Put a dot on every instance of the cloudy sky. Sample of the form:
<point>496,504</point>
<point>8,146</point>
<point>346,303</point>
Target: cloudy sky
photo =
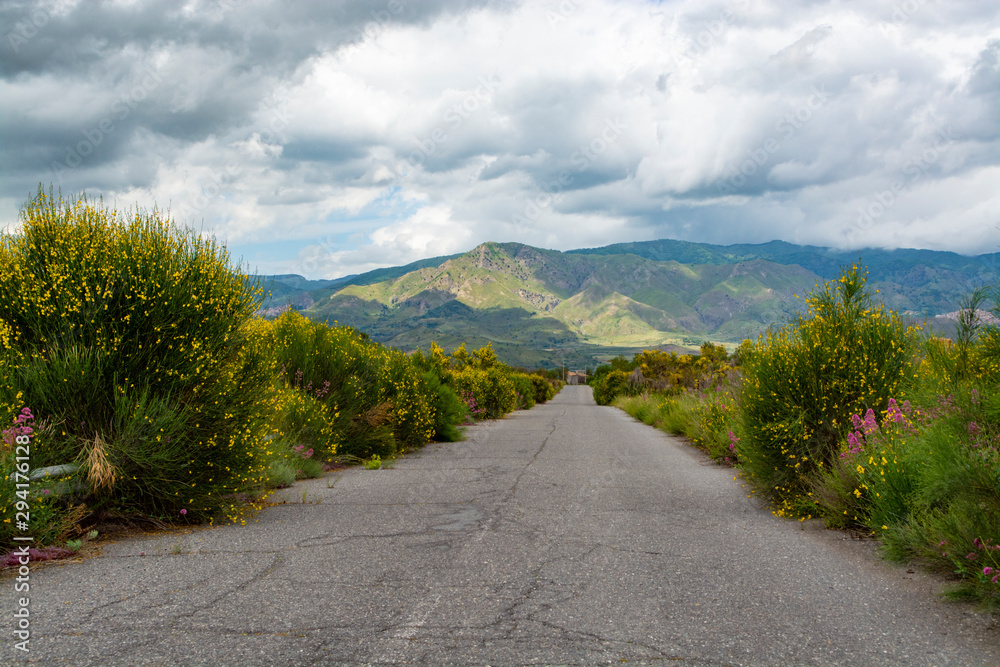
<point>330,138</point>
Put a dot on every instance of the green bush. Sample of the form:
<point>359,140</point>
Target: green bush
<point>542,388</point>
<point>493,390</point>
<point>133,336</point>
<point>449,409</point>
<point>802,382</point>
<point>303,419</point>
<point>611,385</point>
<point>950,512</point>
<point>375,397</point>
<point>716,422</point>
<point>525,390</point>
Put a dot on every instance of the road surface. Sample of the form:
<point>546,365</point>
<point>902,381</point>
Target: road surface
<point>568,534</point>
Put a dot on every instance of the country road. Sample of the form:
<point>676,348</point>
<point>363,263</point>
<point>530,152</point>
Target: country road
<point>568,534</point>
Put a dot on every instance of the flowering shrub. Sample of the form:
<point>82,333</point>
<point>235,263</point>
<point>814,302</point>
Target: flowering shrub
<point>715,417</point>
<point>800,384</point>
<point>132,335</point>
<point>869,484</point>
<point>45,522</point>
<point>375,399</point>
<point>302,420</point>
<point>524,390</point>
<point>474,410</point>
<point>609,386</point>
<point>492,389</point>
<point>706,419</point>
<point>137,343</point>
<point>955,497</point>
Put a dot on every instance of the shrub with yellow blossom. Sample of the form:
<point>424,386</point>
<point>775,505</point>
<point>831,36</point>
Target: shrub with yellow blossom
<point>129,339</point>
<point>802,382</point>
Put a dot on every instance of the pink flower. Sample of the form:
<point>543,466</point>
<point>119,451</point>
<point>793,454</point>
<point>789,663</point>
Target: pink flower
<point>870,422</point>
<point>183,512</point>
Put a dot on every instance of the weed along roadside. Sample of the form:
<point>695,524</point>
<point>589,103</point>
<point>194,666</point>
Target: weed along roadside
<point>143,392</point>
<point>847,415</point>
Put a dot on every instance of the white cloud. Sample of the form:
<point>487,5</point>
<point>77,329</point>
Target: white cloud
<point>445,126</point>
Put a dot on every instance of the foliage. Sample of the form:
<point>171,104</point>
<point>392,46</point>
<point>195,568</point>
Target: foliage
<point>489,388</point>
<point>302,418</point>
<point>159,395</point>
<point>493,390</point>
<point>609,386</point>
<point>449,409</point>
<point>922,474</point>
<point>130,339</point>
<point>802,382</point>
<point>524,389</point>
<point>716,424</point>
<point>543,389</point>
<point>662,372</point>
<point>707,419</point>
<point>668,372</point>
<point>375,398</point>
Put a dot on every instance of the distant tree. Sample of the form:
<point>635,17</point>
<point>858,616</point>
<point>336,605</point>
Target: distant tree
<point>620,363</point>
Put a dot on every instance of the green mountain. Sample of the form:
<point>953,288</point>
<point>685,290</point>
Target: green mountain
<point>544,307</point>
<point>921,282</point>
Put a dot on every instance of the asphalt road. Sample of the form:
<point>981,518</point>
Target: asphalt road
<point>569,534</point>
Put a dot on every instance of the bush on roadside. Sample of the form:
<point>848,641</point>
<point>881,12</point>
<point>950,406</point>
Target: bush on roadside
<point>611,385</point>
<point>801,383</point>
<point>491,390</point>
<point>129,339</point>
<point>716,422</point>
<point>543,389</point>
<point>375,398</point>
<point>525,390</point>
<point>449,409</point>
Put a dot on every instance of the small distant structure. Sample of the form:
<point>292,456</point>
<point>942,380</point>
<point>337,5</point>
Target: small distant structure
<point>576,377</point>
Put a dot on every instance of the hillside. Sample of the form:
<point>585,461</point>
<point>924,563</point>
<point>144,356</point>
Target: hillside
<point>549,307</point>
<point>921,282</point>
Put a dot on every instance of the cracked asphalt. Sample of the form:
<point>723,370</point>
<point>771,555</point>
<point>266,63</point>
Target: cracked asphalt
<point>568,534</point>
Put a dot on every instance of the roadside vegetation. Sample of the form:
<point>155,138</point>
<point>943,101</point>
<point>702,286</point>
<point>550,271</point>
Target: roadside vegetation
<point>846,414</point>
<point>139,388</point>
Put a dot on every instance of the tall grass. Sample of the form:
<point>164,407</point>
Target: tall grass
<point>708,420</point>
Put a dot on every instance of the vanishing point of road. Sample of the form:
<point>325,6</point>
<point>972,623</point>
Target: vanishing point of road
<point>567,534</point>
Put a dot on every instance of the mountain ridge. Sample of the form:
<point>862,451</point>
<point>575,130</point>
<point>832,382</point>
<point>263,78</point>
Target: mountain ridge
<point>621,297</point>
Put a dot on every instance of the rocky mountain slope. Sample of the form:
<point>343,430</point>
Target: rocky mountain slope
<point>543,306</point>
